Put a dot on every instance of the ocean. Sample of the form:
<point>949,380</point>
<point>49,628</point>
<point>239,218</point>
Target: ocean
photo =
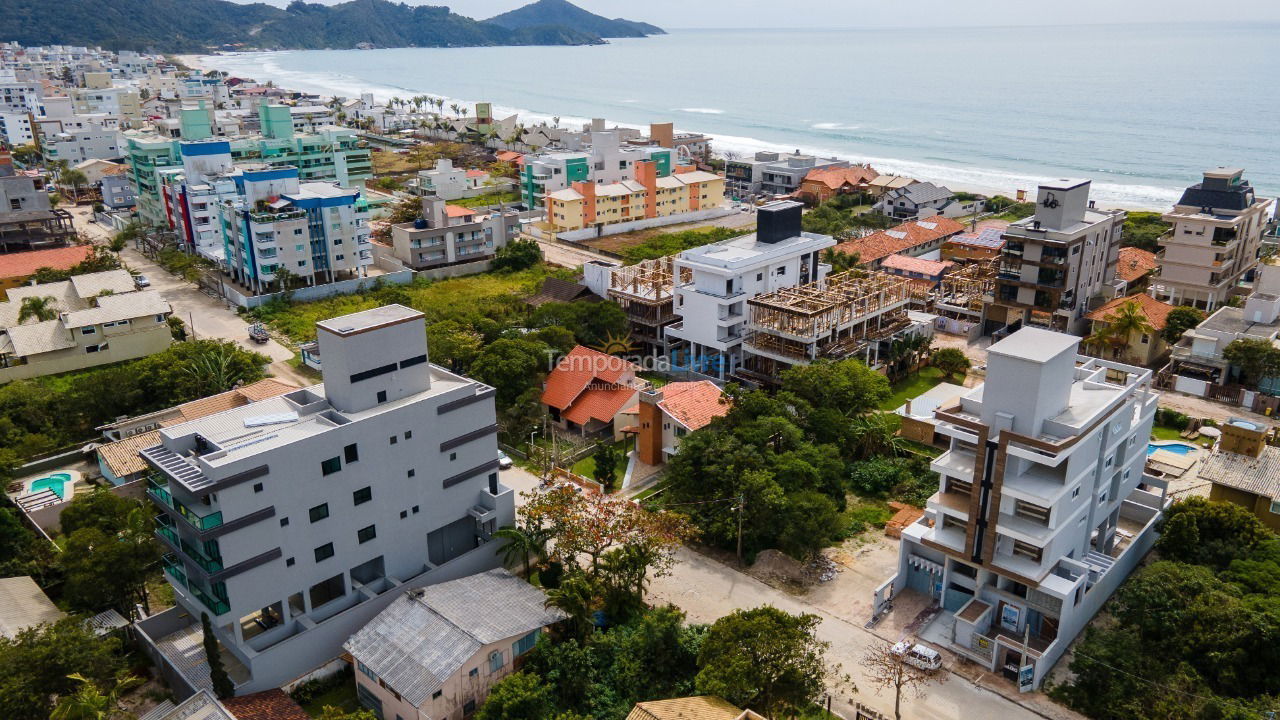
<point>1142,110</point>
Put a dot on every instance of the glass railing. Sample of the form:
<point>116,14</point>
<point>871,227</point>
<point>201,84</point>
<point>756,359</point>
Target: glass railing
<point>216,604</point>
<point>166,530</point>
<point>270,217</point>
<point>198,521</point>
<point>160,490</point>
<point>173,568</point>
<point>208,564</point>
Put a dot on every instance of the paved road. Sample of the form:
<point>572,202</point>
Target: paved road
<point>565,256</point>
<point>204,315</point>
<point>707,590</point>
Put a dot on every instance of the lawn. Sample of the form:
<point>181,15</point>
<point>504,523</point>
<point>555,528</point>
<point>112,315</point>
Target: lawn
<point>342,697</point>
<point>493,198</point>
<point>912,387</point>
<point>495,295</point>
<point>586,467</point>
<point>1160,432</point>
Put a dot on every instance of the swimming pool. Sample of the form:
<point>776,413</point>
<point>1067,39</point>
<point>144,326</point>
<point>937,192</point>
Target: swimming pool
<point>56,482</point>
<point>1173,447</point>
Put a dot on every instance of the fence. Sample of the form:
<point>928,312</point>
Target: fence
<point>318,292</point>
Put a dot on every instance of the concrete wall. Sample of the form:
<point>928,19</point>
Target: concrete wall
<point>317,292</point>
<point>453,271</point>
<point>647,223</point>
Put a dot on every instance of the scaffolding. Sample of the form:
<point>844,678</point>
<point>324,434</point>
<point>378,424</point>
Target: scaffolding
<point>961,291</point>
<point>831,307</point>
<point>644,291</point>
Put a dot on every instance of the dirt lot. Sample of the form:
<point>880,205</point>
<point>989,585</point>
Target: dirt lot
<point>618,243</point>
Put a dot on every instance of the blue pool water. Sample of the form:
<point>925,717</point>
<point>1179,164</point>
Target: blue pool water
<point>54,482</point>
<point>1178,448</point>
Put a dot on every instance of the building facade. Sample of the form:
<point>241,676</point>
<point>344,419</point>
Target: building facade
<point>604,162</point>
<point>1214,243</point>
<point>586,205</point>
<point>293,521</point>
<point>1038,515</point>
<point>1057,263</point>
<point>724,276</point>
<point>450,234</point>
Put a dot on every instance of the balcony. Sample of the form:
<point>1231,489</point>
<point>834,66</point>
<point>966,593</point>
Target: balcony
<point>200,522</point>
<point>272,217</point>
<point>173,568</point>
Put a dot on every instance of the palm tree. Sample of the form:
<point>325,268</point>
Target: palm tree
<point>517,135</point>
<point>75,179</point>
<point>42,308</point>
<point>90,703</point>
<point>521,544</point>
<point>576,597</point>
<point>455,108</point>
<point>1121,325</point>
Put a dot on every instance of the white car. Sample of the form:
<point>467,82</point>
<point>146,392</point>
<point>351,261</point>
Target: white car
<point>141,281</point>
<point>504,461</point>
<point>921,656</point>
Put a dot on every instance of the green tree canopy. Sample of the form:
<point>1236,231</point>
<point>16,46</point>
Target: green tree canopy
<point>511,367</point>
<point>1255,357</point>
<point>1179,320</point>
<point>951,361</point>
<point>1203,532</point>
<point>36,665</point>
<point>764,659</point>
<point>519,696</point>
<point>845,385</point>
<point>516,255</point>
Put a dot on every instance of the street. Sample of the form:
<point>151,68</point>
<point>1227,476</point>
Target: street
<point>205,316</point>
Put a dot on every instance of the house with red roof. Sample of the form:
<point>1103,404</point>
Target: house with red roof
<point>663,416</point>
<point>930,271</point>
<point>824,183</point>
<point>16,268</point>
<point>913,238</point>
<point>1135,267</point>
<point>588,389</point>
<point>1138,348</point>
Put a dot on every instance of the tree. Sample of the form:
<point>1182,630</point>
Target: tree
<point>847,386</point>
<point>518,696</point>
<point>595,324</point>
<point>218,368</point>
<point>577,596</point>
<point>516,255</point>
<point>764,659</point>
<point>890,671</point>
<point>1179,320</point>
<point>1204,532</point>
<point>511,367</point>
<point>809,522</point>
<point>950,361</point>
<point>332,713</point>
<point>38,663</point>
<point>606,459</point>
<point>75,179</point>
<point>110,570</point>
<point>1256,358</point>
<point>839,260</point>
<point>1121,324</point>
<point>453,343</point>
<point>523,544</point>
<point>222,685</point>
<point>101,509</point>
<point>41,307</point>
<point>90,703</point>
<point>26,154</point>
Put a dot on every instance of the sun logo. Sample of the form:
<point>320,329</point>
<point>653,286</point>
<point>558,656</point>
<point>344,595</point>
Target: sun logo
<point>613,345</point>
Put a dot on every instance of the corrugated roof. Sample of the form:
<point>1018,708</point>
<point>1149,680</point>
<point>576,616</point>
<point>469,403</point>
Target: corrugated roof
<point>121,456</point>
<point>127,306</point>
<point>426,635</point>
<point>23,604</point>
<point>91,284</point>
<point>1257,475</point>
<point>41,337</point>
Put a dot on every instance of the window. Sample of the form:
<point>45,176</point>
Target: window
<point>475,672</point>
<point>526,643</point>
<point>284,522</point>
<point>951,523</point>
<point>1027,550</point>
<point>93,348</point>
<point>382,396</point>
<point>436,694</point>
<point>366,534</point>
<point>411,472</point>
<point>367,672</point>
<point>404,514</point>
<point>453,456</point>
<point>361,496</point>
<point>257,487</point>
<point>415,509</point>
<point>1075,493</point>
<point>289,562</point>
<point>351,453</point>
<point>394,439</point>
<point>782,271</point>
<point>469,708</point>
<point>331,466</point>
<point>1275,507</point>
<point>495,661</point>
<point>319,512</point>
<point>408,434</point>
<point>324,552</point>
<point>375,372</point>
<point>88,330</point>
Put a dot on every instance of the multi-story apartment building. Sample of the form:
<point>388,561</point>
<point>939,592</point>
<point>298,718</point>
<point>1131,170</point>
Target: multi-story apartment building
<point>27,219</point>
<point>1214,242</point>
<point>1057,263</point>
<point>16,129</point>
<point>319,232</point>
<point>21,97</point>
<point>124,103</point>
<point>1038,515</point>
<point>605,162</point>
<point>450,234</point>
<point>784,174</point>
<point>655,200</point>
<point>291,522</point>
<point>724,276</point>
<point>328,156</point>
<point>92,327</point>
<point>80,145</point>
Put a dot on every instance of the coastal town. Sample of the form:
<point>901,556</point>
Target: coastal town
<point>404,408</point>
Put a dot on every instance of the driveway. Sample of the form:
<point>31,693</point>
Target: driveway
<point>706,590</point>
<point>205,316</point>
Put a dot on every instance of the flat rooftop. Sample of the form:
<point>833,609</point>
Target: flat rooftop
<point>367,320</point>
<point>1035,344</point>
<point>748,250</point>
<point>1231,320</point>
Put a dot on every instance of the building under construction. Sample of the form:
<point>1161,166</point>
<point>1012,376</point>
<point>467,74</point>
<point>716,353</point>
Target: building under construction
<point>644,292</point>
<point>851,314</point>
<point>959,298</point>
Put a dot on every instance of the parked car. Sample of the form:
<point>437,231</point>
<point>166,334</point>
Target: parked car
<point>921,656</point>
<point>504,462</point>
<point>141,281</point>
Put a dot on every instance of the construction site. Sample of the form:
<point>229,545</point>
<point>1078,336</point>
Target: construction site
<point>644,292</point>
<point>959,298</point>
<point>846,315</point>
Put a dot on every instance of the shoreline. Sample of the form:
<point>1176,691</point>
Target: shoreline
<point>721,143</point>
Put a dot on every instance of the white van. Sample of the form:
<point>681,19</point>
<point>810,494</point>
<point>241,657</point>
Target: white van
<point>921,656</point>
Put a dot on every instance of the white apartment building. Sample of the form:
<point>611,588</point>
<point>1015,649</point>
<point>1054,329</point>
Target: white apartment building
<point>1057,264</point>
<point>605,162</point>
<point>80,145</point>
<point>1215,240</point>
<point>16,129</point>
<point>712,306</point>
<point>317,231</point>
<point>1039,515</point>
<point>118,102</point>
<point>21,97</point>
<point>291,522</point>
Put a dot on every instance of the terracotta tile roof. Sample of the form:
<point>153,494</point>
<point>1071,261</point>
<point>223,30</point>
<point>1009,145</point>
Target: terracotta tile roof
<point>265,705</point>
<point>204,407</point>
<point>266,388</point>
<point>509,156</point>
<point>23,264</point>
<point>898,239</point>
<point>477,173</point>
<point>906,263</point>
<point>586,384</point>
<point>689,708</point>
<point>694,404</point>
<point>122,457</point>
<point>457,211</point>
<point>836,178</point>
<point>1156,312</point>
<point>1134,263</point>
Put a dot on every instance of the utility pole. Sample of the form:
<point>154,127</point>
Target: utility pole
<point>742,505</point>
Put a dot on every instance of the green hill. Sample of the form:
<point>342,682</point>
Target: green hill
<point>562,12</point>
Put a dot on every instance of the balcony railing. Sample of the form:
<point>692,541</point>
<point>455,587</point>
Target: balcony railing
<point>271,217</point>
<point>173,568</point>
<point>198,521</point>
<point>208,564</point>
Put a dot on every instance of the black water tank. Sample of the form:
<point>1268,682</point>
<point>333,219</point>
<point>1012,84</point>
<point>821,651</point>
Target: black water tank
<point>778,221</point>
